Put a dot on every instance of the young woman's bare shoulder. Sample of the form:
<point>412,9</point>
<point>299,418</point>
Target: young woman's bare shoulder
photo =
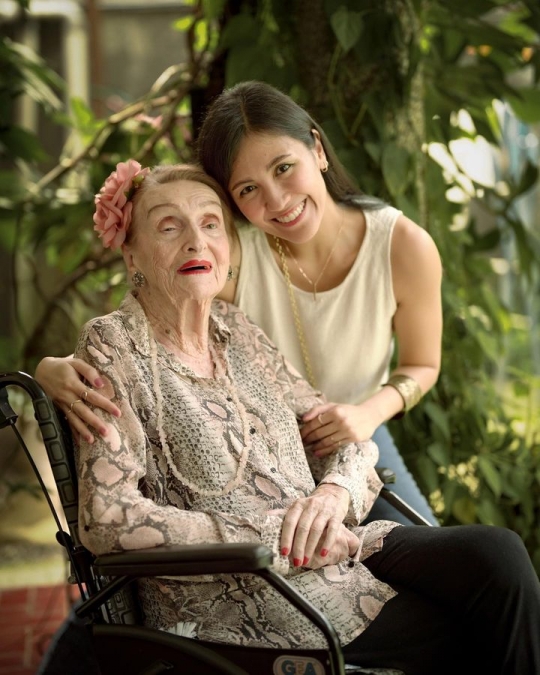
<point>414,253</point>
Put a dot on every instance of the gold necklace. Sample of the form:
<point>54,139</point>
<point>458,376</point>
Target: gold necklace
<point>296,315</point>
<point>315,283</point>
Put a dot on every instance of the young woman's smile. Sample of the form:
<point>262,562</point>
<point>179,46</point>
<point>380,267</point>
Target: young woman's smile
<point>293,215</point>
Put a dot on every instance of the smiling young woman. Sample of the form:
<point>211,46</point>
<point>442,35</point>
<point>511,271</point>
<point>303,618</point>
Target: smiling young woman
<point>338,279</point>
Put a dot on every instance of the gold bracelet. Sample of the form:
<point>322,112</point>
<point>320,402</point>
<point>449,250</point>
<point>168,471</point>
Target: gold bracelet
<point>409,390</point>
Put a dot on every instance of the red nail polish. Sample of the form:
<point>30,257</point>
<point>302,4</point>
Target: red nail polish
<point>284,551</point>
<point>98,382</point>
<point>324,552</point>
<point>297,562</point>
<point>305,560</point>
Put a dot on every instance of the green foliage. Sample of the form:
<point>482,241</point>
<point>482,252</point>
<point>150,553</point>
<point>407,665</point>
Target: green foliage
<point>23,72</point>
<point>397,86</point>
<point>387,83</point>
<point>46,215</point>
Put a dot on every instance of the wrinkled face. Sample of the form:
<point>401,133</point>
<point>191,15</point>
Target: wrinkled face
<point>181,244</point>
<point>276,182</point>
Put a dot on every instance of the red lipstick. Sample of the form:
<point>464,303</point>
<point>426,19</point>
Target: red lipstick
<point>195,267</point>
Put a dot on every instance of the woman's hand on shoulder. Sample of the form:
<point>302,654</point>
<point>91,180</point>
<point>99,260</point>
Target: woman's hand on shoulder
<point>65,381</point>
<point>327,427</point>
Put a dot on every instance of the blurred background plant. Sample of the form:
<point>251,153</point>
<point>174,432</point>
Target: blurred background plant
<point>433,105</point>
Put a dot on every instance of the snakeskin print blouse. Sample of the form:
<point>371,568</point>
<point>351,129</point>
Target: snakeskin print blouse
<point>133,494</point>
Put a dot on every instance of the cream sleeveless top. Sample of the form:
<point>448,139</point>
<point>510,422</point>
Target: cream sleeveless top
<point>348,329</point>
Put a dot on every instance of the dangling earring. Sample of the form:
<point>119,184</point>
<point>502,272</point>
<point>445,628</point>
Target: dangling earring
<point>325,167</point>
<point>230,274</point>
<point>138,279</point>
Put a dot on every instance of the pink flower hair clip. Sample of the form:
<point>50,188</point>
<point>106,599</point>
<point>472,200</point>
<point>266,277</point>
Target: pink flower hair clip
<point>113,203</point>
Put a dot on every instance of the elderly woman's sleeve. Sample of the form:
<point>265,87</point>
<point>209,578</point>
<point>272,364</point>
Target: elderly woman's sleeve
<point>353,465</point>
<point>114,515</point>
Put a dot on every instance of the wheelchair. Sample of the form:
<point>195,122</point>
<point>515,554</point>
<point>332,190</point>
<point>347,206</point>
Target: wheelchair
<point>107,583</point>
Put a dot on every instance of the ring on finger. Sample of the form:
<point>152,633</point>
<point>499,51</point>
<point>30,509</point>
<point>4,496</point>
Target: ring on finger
<point>85,395</point>
<point>71,406</point>
<point>319,417</point>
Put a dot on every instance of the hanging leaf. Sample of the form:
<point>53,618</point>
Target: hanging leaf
<point>490,514</point>
<point>439,418</point>
<point>84,118</point>
<point>347,27</point>
<point>374,151</point>
<point>490,474</point>
<point>464,510</point>
<point>439,454</point>
<point>252,62</point>
<point>18,142</point>
<point>213,9</point>
<point>518,482</point>
<point>526,105</point>
<point>428,473</point>
<point>184,24</point>
<point>396,163</point>
<point>528,179</point>
<point>240,31</point>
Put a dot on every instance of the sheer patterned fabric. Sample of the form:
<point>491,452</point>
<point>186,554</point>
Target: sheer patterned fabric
<point>133,495</point>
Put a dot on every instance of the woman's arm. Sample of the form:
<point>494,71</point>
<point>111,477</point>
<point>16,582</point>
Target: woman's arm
<point>417,323</point>
<point>66,380</point>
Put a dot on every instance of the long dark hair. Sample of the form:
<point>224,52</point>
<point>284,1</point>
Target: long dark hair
<point>257,107</point>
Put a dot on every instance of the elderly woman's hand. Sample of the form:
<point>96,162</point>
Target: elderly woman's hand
<point>327,427</point>
<point>63,380</point>
<point>313,523</point>
<point>345,546</point>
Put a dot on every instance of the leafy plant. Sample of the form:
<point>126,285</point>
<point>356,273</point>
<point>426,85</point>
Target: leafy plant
<point>401,87</point>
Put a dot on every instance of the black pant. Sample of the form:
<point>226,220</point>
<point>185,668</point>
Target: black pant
<point>468,602</point>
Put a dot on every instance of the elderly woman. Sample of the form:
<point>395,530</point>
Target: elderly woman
<point>208,449</point>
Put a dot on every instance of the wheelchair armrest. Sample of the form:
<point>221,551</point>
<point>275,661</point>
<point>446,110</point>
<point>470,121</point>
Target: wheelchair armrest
<point>185,560</point>
<point>194,560</point>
